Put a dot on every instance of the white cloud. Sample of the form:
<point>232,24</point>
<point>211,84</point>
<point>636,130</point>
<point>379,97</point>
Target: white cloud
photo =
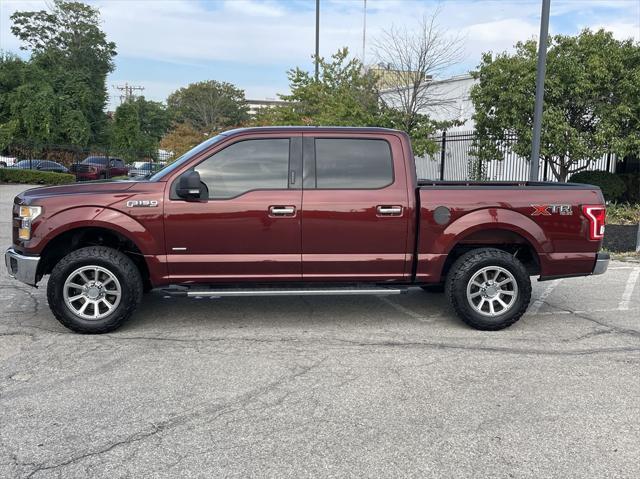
<point>256,34</point>
<point>255,8</point>
<point>621,30</point>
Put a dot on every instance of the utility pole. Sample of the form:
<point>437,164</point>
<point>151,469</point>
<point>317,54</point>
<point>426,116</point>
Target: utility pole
<point>542,67</point>
<point>364,34</point>
<point>127,91</point>
<point>317,38</point>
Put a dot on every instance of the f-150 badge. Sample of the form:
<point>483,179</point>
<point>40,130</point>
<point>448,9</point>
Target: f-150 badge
<point>142,203</point>
<point>548,210</point>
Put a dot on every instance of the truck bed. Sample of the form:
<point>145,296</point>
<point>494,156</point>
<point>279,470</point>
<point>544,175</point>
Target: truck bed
<point>545,219</point>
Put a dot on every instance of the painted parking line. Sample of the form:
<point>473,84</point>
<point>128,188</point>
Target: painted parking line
<point>407,311</point>
<point>628,290</point>
<point>537,304</point>
<point>577,311</point>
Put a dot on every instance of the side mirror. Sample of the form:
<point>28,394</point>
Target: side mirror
<point>189,186</point>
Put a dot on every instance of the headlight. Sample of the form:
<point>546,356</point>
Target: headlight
<point>27,214</point>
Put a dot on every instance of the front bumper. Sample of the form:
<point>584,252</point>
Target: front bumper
<point>602,263</point>
<point>21,267</point>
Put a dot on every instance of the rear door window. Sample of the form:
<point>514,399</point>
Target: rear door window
<point>345,163</point>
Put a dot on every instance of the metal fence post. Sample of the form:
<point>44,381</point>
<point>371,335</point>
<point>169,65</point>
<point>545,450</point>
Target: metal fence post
<point>443,148</point>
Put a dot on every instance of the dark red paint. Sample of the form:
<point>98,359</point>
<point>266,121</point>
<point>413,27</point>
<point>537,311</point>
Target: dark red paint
<point>334,235</point>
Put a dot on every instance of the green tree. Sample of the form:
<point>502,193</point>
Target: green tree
<point>209,106</point>
<point>61,95</point>
<point>138,126</point>
<point>345,94</point>
<point>588,99</point>
<point>181,138</point>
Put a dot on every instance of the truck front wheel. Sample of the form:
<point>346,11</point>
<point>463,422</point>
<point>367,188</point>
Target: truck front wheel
<point>488,288</point>
<point>94,290</point>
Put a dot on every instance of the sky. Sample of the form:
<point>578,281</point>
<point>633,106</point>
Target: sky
<point>166,44</point>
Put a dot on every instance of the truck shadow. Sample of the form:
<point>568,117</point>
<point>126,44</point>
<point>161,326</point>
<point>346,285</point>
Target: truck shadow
<point>416,307</point>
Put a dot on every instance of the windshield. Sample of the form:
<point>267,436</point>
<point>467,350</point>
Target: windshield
<point>186,157</point>
<point>95,160</point>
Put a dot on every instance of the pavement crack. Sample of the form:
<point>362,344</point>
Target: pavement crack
<point>129,440</point>
<point>218,410</point>
<point>612,328</point>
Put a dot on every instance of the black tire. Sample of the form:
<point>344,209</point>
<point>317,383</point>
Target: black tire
<point>463,270</point>
<point>433,288</point>
<point>119,265</point>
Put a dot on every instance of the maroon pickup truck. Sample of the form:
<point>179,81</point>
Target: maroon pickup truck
<point>301,211</point>
<point>99,168</point>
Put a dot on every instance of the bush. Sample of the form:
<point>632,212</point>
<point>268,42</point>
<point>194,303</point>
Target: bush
<point>15,175</point>
<point>632,187</point>
<point>611,184</point>
<point>623,214</point>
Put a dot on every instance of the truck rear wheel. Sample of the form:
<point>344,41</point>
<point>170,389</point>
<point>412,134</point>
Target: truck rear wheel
<point>94,290</point>
<point>488,288</point>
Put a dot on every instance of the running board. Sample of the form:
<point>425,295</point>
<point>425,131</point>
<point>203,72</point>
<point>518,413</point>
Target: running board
<point>238,292</point>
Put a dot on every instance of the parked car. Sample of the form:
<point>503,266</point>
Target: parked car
<point>99,168</point>
<point>6,161</point>
<point>145,169</point>
<point>301,211</point>
<point>41,165</point>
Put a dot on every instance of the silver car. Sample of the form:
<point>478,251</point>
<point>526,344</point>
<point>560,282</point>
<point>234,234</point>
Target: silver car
<point>145,169</point>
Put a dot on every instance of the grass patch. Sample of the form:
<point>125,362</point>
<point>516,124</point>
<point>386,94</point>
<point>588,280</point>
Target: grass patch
<point>623,214</point>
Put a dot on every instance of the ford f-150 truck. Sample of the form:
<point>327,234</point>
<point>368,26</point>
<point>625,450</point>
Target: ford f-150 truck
<point>301,211</point>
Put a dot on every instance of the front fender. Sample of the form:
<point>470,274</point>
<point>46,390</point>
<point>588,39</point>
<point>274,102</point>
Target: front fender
<point>96,217</point>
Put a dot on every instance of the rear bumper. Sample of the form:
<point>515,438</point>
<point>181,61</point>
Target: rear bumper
<point>602,263</point>
<point>21,267</point>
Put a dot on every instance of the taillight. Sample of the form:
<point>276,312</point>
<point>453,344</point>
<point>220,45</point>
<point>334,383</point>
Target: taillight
<point>596,215</point>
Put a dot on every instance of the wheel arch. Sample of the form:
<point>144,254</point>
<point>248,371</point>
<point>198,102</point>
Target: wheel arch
<point>90,235</point>
<point>498,228</point>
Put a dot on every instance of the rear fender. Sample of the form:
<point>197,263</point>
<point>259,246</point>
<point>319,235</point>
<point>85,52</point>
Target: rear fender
<point>497,219</point>
<point>434,253</point>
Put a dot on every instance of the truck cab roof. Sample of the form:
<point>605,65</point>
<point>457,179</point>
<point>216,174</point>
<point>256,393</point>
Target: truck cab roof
<point>314,129</point>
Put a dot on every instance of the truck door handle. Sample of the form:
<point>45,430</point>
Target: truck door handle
<point>384,210</point>
<point>282,210</point>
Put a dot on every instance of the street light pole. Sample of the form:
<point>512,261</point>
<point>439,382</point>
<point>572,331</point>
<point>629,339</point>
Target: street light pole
<point>364,34</point>
<point>542,66</point>
<point>317,37</point>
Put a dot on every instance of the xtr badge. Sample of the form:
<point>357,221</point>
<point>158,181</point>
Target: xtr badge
<point>548,210</point>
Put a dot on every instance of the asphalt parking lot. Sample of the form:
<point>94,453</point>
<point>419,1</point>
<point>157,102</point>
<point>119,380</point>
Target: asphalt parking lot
<point>324,386</point>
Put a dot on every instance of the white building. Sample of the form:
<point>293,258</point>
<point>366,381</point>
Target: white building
<point>450,100</point>
<point>256,105</point>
